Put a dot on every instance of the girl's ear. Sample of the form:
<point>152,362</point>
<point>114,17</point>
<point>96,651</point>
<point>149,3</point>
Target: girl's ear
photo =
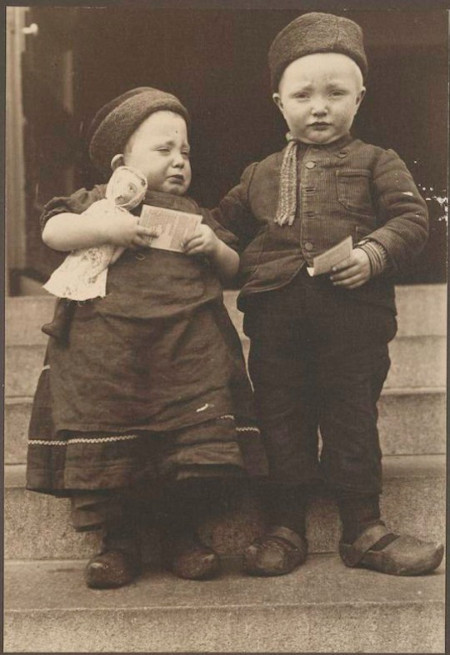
<point>277,100</point>
<point>117,161</point>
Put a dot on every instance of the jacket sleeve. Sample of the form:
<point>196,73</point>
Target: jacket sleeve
<point>77,203</point>
<point>234,211</point>
<point>402,212</point>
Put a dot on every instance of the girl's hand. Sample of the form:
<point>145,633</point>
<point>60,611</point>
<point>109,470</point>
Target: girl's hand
<point>121,228</point>
<point>203,241</point>
<point>352,272</point>
<point>97,226</point>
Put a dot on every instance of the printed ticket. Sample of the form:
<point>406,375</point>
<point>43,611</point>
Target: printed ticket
<point>174,226</point>
<point>324,262</point>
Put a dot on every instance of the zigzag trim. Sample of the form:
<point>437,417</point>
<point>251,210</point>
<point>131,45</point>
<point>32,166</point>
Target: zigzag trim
<point>44,442</point>
<point>248,429</point>
<point>240,429</point>
<point>123,437</point>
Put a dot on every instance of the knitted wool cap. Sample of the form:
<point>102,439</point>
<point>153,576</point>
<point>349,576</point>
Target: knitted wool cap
<point>312,33</point>
<point>114,123</point>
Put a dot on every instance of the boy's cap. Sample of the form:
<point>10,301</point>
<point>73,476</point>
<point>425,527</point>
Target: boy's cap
<point>114,123</point>
<point>313,33</point>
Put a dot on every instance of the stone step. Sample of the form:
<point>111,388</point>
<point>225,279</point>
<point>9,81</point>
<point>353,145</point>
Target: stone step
<point>418,361</point>
<point>321,607</point>
<point>418,353</point>
<point>37,526</point>
<point>411,422</point>
<point>422,310</point>
<point>23,364</point>
<point>24,316</point>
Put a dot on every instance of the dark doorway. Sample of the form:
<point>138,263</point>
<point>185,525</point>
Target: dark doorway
<point>214,59</point>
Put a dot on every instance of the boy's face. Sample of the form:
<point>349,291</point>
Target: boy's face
<point>159,148</point>
<point>319,96</point>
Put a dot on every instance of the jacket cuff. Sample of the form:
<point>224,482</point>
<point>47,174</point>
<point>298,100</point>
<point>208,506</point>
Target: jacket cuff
<point>377,254</point>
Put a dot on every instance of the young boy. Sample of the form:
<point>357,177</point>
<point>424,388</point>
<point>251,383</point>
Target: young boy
<point>147,386</point>
<point>319,354</point>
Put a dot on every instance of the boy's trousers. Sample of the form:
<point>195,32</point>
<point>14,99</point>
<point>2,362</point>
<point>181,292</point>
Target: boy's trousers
<point>318,361</point>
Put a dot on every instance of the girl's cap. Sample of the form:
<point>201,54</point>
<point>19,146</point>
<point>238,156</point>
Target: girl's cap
<point>114,123</point>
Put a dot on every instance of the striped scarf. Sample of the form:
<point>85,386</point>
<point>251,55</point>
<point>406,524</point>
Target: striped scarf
<point>287,196</point>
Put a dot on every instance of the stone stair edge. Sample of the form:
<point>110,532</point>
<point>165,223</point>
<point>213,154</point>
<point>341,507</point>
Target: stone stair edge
<point>402,290</point>
<point>430,297</point>
<point>44,521</point>
<point>315,561</point>
<point>411,466</point>
<point>10,399</point>
<point>41,339</point>
<point>411,421</point>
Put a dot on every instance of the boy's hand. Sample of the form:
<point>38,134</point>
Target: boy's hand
<point>203,241</point>
<point>352,272</point>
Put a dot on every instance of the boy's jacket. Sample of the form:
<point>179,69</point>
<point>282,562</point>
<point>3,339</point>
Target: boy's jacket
<point>345,188</point>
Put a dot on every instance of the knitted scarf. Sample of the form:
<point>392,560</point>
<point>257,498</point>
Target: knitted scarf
<point>287,196</point>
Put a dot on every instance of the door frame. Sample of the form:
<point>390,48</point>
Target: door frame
<point>15,250</point>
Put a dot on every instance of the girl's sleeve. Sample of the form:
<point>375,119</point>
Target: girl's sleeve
<point>77,203</point>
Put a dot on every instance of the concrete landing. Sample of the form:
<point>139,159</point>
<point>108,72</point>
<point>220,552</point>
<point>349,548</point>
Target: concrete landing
<point>321,607</point>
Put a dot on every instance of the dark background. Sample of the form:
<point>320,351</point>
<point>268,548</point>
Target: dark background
<point>214,58</point>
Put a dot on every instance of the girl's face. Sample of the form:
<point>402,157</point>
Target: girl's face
<point>319,96</point>
<point>159,148</point>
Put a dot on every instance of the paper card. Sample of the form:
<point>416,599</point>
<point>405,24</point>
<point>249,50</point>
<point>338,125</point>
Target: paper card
<point>324,262</point>
<point>175,226</point>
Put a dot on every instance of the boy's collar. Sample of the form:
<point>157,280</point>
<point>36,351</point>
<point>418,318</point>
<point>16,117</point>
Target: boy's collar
<point>331,147</point>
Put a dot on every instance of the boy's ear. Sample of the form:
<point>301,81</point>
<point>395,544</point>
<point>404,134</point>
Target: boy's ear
<point>362,93</point>
<point>117,161</point>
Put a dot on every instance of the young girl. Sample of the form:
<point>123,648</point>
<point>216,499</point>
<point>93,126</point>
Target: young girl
<point>148,383</point>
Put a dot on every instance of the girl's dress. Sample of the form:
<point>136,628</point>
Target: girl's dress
<point>150,382</point>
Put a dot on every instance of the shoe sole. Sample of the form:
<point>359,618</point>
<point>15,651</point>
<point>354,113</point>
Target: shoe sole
<point>378,563</point>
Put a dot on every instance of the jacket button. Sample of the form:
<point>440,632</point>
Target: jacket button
<point>310,164</point>
<point>308,245</point>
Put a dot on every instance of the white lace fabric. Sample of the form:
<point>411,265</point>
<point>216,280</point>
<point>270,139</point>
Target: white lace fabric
<point>83,274</point>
